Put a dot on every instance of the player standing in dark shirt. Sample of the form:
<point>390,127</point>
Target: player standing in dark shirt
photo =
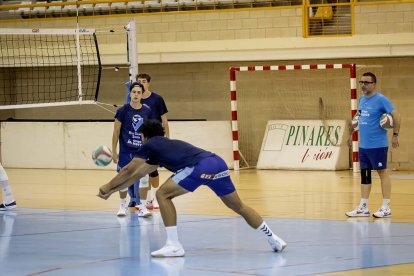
<point>158,112</point>
<point>128,119</point>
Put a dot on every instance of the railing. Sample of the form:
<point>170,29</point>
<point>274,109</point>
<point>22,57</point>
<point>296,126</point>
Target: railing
<point>328,18</point>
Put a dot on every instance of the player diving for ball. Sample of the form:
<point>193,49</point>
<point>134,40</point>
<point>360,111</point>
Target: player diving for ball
<point>191,167</point>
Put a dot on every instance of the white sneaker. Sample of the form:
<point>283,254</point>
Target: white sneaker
<point>155,204</point>
<point>8,206</point>
<point>277,244</point>
<point>360,211</point>
<point>143,211</point>
<point>122,212</point>
<point>383,212</point>
<point>169,250</point>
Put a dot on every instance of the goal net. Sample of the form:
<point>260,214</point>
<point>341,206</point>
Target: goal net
<point>287,92</point>
<point>48,67</point>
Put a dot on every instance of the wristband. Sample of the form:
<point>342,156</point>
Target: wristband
<point>395,134</point>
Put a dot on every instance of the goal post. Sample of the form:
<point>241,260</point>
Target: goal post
<point>48,67</point>
<point>306,67</point>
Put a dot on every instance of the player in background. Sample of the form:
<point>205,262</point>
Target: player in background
<point>158,112</point>
<point>191,167</point>
<point>128,119</point>
<point>373,145</point>
<point>8,200</point>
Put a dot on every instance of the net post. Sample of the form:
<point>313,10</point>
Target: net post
<point>78,61</point>
<point>132,50</point>
<point>99,67</point>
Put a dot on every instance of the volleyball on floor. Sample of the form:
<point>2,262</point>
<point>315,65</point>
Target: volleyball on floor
<point>355,124</point>
<point>102,156</point>
<point>386,121</point>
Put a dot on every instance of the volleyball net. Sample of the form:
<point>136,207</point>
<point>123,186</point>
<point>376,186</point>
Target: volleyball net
<point>48,67</point>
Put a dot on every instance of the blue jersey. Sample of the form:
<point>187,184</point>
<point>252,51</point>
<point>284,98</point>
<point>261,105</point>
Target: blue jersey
<point>370,111</point>
<point>154,102</point>
<point>131,119</point>
<point>171,154</point>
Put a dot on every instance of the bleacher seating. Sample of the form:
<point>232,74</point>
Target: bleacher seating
<point>55,11</point>
<point>68,8</point>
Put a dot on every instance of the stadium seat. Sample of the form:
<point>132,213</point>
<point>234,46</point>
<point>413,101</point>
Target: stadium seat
<point>152,5</point>
<point>39,11</point>
<point>24,12</point>
<point>225,3</point>
<point>207,4</point>
<point>323,13</point>
<point>101,8</point>
<point>70,9</point>
<point>135,7</point>
<point>118,7</point>
<point>187,4</point>
<point>170,5</point>
<point>86,9</point>
<point>55,10</point>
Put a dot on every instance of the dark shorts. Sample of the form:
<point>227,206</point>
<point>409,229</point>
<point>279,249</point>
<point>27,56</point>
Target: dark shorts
<point>153,174</point>
<point>211,171</point>
<point>124,159</point>
<point>373,159</point>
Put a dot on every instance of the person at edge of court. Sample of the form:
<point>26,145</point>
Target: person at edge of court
<point>8,200</point>
<point>373,145</point>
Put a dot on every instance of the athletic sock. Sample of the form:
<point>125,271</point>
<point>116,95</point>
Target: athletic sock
<point>264,228</point>
<point>386,203</point>
<point>363,202</point>
<point>172,235</point>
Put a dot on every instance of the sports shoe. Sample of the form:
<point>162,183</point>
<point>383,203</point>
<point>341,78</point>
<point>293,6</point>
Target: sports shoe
<point>169,250</point>
<point>383,212</point>
<point>155,204</point>
<point>149,205</point>
<point>277,244</point>
<point>143,211</point>
<point>360,211</point>
<point>132,204</point>
<point>122,212</point>
<point>8,206</point>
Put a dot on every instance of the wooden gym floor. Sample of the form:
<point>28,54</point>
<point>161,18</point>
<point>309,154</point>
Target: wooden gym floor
<point>62,228</point>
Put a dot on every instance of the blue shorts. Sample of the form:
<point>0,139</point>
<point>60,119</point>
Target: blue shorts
<point>373,159</point>
<point>124,159</point>
<point>211,171</point>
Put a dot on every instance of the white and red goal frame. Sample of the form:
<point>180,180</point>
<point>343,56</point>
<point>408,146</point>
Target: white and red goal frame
<point>233,96</point>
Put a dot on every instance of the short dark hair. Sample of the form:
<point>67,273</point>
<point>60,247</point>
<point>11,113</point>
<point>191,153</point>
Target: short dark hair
<point>144,76</point>
<point>134,84</point>
<point>151,128</point>
<point>372,75</point>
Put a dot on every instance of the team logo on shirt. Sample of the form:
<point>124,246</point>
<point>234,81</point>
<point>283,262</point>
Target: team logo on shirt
<point>137,121</point>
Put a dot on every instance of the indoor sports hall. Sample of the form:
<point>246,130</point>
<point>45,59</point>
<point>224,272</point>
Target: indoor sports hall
<point>272,86</point>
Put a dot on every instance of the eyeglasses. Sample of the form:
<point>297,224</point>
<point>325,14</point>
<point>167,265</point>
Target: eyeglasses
<point>365,82</point>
